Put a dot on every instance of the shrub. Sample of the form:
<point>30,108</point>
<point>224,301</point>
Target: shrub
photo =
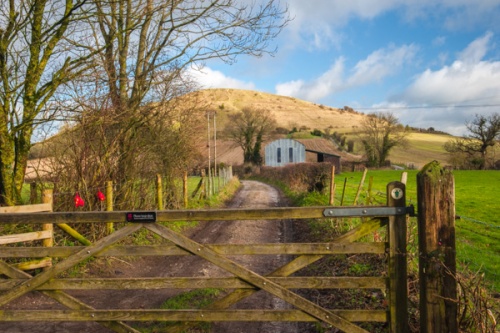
<point>301,177</point>
<point>316,132</point>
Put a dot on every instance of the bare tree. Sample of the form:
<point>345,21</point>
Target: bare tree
<point>85,155</point>
<point>380,133</point>
<point>34,63</point>
<point>484,134</point>
<point>249,129</point>
<point>149,45</point>
<point>140,47</point>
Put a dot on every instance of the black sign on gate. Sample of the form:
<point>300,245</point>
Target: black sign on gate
<point>141,217</point>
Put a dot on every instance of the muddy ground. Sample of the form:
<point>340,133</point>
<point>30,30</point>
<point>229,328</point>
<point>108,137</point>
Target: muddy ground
<point>252,195</point>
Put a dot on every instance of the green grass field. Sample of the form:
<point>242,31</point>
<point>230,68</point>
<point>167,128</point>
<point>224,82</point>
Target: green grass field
<point>476,204</point>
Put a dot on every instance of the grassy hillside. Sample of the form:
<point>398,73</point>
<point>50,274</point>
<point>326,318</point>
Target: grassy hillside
<point>289,112</point>
<point>292,112</point>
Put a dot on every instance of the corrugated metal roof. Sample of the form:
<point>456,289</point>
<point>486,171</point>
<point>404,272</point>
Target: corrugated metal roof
<point>319,145</point>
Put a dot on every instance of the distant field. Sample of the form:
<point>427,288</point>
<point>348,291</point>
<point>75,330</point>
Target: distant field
<point>421,149</point>
<point>477,204</point>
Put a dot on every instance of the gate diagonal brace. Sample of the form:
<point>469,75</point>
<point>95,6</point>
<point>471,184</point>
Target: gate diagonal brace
<point>66,300</point>
<point>367,211</point>
<point>69,262</point>
<point>256,279</point>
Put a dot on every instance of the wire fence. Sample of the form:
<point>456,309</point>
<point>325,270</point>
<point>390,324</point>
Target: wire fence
<point>483,257</point>
<point>470,219</point>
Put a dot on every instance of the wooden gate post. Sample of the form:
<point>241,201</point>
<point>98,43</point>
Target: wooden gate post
<point>398,286</point>
<point>437,265</point>
<point>48,197</point>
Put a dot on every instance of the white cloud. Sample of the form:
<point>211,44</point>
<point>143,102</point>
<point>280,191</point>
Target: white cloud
<point>317,24</point>
<point>469,79</point>
<point>209,78</point>
<point>378,65</point>
<point>291,88</point>
<point>476,50</point>
<point>454,93</point>
<point>318,88</point>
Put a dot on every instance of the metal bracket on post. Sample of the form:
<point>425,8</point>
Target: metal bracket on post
<point>367,211</point>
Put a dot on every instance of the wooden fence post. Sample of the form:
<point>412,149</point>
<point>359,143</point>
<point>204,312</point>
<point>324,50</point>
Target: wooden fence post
<point>343,192</point>
<point>332,187</point>
<point>48,197</point>
<point>437,261</point>
<point>404,177</point>
<point>33,193</point>
<point>159,193</point>
<point>360,186</point>
<point>185,188</point>
<point>398,293</point>
<point>109,206</point>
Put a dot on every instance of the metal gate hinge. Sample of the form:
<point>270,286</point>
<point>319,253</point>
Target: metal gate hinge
<point>367,211</point>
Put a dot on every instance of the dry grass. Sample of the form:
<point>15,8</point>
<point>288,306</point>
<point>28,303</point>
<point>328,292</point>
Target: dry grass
<point>289,112</point>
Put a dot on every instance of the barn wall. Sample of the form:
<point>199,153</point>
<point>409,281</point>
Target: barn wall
<point>271,152</point>
<point>335,160</point>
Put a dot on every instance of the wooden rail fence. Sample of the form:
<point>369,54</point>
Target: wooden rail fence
<point>243,280</point>
<point>46,234</point>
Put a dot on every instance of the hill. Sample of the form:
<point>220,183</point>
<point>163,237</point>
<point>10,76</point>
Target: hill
<point>305,116</point>
<point>289,112</point>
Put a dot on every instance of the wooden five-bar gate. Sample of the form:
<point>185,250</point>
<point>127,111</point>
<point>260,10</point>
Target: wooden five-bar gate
<point>244,281</point>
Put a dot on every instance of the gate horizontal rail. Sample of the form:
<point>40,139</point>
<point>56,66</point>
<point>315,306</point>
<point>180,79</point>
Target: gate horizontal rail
<point>172,250</point>
<point>278,213</point>
<point>201,283</point>
<point>187,315</point>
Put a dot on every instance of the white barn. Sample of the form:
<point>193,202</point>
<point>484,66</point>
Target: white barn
<point>284,151</point>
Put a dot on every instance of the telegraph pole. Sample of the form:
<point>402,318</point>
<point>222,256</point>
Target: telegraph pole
<point>209,190</point>
<point>215,150</point>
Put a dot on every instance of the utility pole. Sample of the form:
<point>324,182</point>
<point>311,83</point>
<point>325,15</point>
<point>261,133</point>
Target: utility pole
<point>209,158</point>
<point>215,151</point>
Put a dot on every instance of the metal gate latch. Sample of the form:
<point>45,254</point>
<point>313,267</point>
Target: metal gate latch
<point>367,211</point>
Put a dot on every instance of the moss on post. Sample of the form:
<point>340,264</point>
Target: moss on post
<point>437,261</point>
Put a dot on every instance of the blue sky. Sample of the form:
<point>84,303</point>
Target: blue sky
<point>431,63</point>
